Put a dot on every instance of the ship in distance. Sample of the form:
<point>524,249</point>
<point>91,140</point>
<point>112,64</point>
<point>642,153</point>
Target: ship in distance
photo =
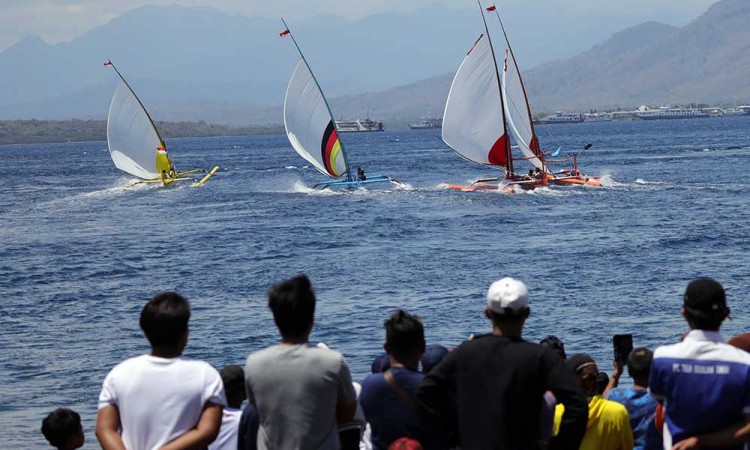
<point>427,123</point>
<point>359,125</point>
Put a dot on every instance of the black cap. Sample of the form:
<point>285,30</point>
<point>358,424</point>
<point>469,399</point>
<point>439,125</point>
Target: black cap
<point>579,361</point>
<point>233,377</point>
<point>704,298</point>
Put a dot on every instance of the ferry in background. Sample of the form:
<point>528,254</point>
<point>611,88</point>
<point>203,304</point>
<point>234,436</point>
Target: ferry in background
<point>359,125</point>
<point>738,111</point>
<point>597,117</point>
<point>666,112</point>
<point>560,117</point>
<point>430,122</point>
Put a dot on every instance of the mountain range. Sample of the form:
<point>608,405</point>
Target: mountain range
<point>203,64</point>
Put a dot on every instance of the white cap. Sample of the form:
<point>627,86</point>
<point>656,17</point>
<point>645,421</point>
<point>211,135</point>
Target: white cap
<point>507,293</point>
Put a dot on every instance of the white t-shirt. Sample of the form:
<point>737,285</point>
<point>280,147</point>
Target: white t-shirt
<point>160,399</point>
<point>229,432</point>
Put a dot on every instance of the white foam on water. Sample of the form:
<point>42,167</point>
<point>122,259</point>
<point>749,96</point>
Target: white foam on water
<point>607,181</point>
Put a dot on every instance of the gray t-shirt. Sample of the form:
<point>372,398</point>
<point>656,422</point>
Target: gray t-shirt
<point>296,389</point>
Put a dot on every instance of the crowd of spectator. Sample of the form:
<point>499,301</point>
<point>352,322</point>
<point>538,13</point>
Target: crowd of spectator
<point>493,391</point>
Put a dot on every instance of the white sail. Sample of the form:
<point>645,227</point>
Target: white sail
<point>473,119</point>
<point>132,139</point>
<point>517,110</point>
<point>309,124</point>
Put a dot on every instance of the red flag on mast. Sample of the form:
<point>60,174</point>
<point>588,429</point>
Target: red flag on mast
<point>491,8</point>
<point>284,33</point>
<point>108,63</point>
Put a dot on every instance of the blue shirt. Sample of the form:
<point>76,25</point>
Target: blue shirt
<point>642,410</point>
<point>389,417</point>
<point>704,383</point>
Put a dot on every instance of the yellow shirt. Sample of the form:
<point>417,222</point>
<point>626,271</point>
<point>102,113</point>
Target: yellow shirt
<point>608,427</point>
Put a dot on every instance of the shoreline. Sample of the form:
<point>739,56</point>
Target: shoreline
<point>33,131</point>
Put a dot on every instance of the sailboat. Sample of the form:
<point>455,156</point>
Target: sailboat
<point>134,142</point>
<point>312,130</point>
<point>484,109</point>
<point>521,124</point>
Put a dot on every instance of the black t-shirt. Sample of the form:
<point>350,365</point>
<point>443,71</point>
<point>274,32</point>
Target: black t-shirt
<point>498,383</point>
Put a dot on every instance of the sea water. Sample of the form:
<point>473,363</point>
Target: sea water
<point>80,255</point>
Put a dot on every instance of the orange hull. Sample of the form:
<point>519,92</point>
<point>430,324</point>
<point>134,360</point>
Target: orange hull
<point>577,181</point>
<point>491,187</point>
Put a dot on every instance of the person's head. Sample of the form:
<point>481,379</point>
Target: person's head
<point>639,365</point>
<point>554,343</point>
<point>404,338</point>
<point>164,321</point>
<point>741,341</point>
<point>233,378</point>
<point>292,303</point>
<point>433,354</point>
<point>705,304</point>
<point>381,363</point>
<point>405,443</point>
<point>531,171</point>
<point>62,428</point>
<point>586,372</point>
<point>602,380</point>
<point>507,303</point>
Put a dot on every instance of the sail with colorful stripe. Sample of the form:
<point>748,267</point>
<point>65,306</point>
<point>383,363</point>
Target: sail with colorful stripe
<point>473,121</point>
<point>310,126</point>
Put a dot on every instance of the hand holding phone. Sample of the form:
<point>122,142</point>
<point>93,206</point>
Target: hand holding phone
<point>623,345</point>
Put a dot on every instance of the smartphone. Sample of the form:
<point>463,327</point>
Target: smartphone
<point>623,345</point>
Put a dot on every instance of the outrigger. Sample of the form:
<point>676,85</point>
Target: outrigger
<point>135,144</point>
<point>313,132</point>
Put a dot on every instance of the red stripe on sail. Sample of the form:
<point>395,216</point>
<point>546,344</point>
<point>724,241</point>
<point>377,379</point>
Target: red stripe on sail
<point>329,149</point>
<point>534,146</point>
<point>330,138</point>
<point>475,43</point>
<point>498,155</point>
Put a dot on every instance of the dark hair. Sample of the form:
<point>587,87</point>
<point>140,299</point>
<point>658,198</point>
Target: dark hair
<point>704,323</point>
<point>554,343</point>
<point>60,425</point>
<point>639,363</point>
<point>165,318</point>
<point>508,316</point>
<point>602,380</point>
<point>292,303</point>
<point>404,335</point>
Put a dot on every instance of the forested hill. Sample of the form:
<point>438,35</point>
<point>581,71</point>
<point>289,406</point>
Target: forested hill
<point>45,131</point>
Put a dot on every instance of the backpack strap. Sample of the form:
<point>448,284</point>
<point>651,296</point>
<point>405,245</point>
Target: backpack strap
<point>401,393</point>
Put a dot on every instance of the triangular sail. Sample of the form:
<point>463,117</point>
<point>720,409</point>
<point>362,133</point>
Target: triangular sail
<point>518,112</point>
<point>309,125</point>
<point>473,122</point>
<point>134,142</point>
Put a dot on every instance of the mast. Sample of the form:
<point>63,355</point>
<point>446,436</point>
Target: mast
<point>509,153</point>
<point>535,148</point>
<point>325,100</point>
<point>110,63</point>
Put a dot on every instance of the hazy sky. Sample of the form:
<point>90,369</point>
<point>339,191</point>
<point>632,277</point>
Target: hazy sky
<point>62,20</point>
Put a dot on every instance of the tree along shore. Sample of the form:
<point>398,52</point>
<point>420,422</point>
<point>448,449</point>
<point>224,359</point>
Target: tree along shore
<point>47,131</point>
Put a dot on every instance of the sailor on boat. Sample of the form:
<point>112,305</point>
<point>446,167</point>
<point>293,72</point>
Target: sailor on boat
<point>361,174</point>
